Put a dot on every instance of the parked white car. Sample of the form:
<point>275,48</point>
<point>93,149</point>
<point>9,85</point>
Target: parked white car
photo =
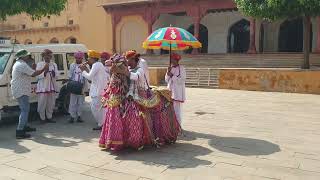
<point>63,57</point>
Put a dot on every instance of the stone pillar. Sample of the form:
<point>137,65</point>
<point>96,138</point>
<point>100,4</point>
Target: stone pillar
<point>150,16</point>
<point>252,45</point>
<point>196,31</point>
<point>318,35</point>
<point>196,13</point>
<point>115,21</point>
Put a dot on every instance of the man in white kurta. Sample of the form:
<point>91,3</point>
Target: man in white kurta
<point>47,87</point>
<point>142,63</point>
<point>98,77</point>
<point>175,78</point>
<point>77,101</point>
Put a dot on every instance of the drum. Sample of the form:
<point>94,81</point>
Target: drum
<point>75,87</point>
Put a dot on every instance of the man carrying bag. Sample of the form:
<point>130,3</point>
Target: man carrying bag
<point>76,86</point>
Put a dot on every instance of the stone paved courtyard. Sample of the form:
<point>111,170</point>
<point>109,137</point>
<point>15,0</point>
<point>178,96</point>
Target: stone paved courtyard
<point>230,135</point>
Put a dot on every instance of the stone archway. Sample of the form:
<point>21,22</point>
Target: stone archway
<point>27,41</point>
<point>203,38</point>
<point>133,31</point>
<point>40,41</point>
<point>71,40</point>
<point>239,37</point>
<point>291,36</point>
<point>54,41</point>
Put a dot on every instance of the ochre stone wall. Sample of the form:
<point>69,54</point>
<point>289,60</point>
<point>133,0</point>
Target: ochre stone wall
<point>281,80</point>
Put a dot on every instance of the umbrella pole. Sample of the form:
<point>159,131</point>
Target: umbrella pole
<point>170,55</point>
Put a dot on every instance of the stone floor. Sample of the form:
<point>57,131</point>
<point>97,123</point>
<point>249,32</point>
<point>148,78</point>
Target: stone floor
<point>231,135</point>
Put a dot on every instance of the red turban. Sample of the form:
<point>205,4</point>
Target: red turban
<point>175,56</point>
<point>105,55</point>
<point>46,52</point>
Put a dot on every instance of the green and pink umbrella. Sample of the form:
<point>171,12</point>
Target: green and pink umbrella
<point>171,38</point>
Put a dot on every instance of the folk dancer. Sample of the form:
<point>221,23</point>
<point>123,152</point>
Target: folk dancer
<point>97,75</point>
<point>21,89</point>
<point>175,78</point>
<point>46,87</point>
<point>77,100</point>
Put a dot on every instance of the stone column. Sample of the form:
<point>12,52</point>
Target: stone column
<point>318,35</point>
<point>252,45</point>
<point>196,31</point>
<point>196,13</point>
<point>115,21</point>
<point>150,16</point>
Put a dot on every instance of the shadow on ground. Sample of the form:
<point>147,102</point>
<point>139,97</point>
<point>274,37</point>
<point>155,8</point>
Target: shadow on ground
<point>236,145</point>
<point>60,134</point>
<point>179,155</point>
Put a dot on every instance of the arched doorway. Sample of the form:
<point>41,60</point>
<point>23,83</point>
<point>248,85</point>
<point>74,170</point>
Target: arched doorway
<point>54,41</point>
<point>71,40</point>
<point>132,34</point>
<point>28,41</point>
<point>40,41</point>
<point>239,37</point>
<point>291,36</point>
<point>203,38</point>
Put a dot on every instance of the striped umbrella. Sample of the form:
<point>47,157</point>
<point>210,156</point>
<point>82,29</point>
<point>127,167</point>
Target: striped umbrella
<point>171,38</point>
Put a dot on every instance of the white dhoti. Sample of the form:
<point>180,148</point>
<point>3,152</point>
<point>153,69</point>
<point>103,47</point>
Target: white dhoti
<point>75,106</point>
<point>46,104</point>
<point>178,110</point>
<point>97,111</point>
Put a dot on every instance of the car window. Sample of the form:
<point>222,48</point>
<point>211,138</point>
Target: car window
<point>4,58</point>
<point>70,59</point>
<point>58,59</point>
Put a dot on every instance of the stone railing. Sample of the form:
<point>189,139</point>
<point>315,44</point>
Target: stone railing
<point>269,60</point>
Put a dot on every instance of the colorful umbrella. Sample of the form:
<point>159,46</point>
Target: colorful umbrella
<point>171,38</point>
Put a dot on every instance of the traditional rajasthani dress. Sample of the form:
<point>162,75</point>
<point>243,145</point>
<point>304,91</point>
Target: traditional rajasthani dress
<point>112,135</point>
<point>136,120</point>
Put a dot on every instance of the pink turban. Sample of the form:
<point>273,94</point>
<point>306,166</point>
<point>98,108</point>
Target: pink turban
<point>105,55</point>
<point>79,55</point>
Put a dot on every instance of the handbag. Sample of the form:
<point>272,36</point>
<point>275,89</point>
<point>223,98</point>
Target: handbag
<point>75,87</point>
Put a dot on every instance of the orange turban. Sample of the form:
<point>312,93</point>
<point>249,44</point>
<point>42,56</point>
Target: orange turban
<point>93,54</point>
<point>132,54</point>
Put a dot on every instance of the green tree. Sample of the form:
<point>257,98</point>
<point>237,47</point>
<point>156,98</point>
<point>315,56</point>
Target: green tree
<point>35,8</point>
<point>284,9</point>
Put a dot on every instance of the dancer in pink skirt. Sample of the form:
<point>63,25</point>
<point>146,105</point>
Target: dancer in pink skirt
<point>112,135</point>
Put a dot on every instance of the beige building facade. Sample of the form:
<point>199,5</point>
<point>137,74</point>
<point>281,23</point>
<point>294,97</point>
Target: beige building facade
<point>121,25</point>
<point>83,21</point>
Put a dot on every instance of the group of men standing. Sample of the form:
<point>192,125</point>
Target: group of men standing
<point>93,71</point>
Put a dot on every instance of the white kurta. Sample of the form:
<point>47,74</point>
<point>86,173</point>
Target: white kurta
<point>176,84</point>
<point>137,81</point>
<point>99,80</point>
<point>143,64</point>
<point>46,90</point>
<point>76,101</point>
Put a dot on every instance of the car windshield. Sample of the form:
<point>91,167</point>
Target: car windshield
<point>4,58</point>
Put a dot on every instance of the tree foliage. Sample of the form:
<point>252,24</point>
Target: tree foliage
<point>278,9</point>
<point>35,8</point>
<point>284,9</point>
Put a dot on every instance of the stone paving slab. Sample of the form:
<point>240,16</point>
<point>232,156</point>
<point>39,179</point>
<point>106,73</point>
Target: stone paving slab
<point>230,135</point>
